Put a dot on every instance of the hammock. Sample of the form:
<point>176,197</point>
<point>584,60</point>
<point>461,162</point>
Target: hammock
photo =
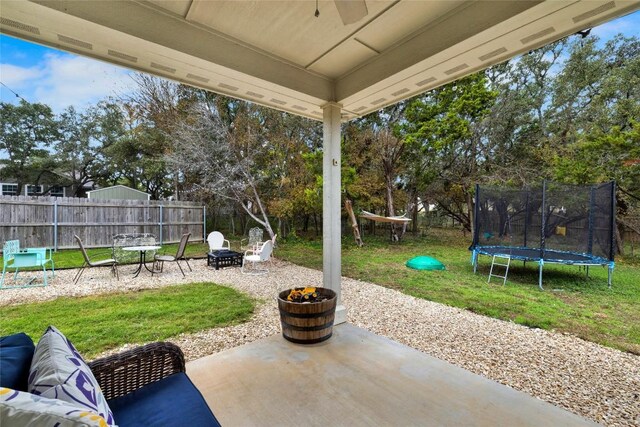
<point>378,218</point>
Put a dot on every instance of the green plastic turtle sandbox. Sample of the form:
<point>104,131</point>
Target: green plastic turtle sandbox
<point>425,263</point>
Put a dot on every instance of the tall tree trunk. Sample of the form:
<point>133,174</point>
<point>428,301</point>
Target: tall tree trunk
<point>315,223</point>
<point>354,222</point>
<point>470,209</point>
<point>390,208</point>
<point>372,226</point>
<point>618,241</point>
<point>409,209</point>
<point>414,214</point>
<point>265,219</point>
<point>176,193</point>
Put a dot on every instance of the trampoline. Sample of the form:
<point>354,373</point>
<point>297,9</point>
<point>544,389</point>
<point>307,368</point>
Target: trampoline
<point>557,224</point>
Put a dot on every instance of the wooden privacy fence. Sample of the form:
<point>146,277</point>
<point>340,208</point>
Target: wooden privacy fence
<point>52,221</point>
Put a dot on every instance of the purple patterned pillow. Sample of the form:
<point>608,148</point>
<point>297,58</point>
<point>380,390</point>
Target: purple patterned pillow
<point>59,372</point>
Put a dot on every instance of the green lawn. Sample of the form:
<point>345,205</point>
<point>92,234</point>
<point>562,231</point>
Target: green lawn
<point>570,302</point>
<point>98,323</point>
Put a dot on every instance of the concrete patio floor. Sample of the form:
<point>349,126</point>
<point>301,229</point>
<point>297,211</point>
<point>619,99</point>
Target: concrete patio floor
<point>358,378</point>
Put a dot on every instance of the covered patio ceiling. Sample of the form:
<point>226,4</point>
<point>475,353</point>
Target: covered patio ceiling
<point>278,54</point>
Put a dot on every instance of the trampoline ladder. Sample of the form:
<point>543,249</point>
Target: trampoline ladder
<point>493,263</point>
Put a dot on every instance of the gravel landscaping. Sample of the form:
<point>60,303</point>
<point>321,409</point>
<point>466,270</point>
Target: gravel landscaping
<point>597,382</point>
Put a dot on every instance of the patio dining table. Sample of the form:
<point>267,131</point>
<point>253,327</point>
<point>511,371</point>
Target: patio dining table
<point>143,256</point>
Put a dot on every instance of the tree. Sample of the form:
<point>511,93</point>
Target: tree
<point>26,131</point>
<point>513,132</point>
<point>380,133</point>
<point>135,153</point>
<point>153,112</point>
<point>292,166</point>
<point>442,125</point>
<point>597,88</point>
<point>600,157</point>
<point>362,181</point>
<point>221,146</point>
<point>76,150</point>
<point>597,92</point>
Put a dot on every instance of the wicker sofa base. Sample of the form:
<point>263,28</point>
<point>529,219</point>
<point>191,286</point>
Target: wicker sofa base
<point>145,386</point>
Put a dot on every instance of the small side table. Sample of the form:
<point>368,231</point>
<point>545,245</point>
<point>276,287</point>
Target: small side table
<point>224,258</point>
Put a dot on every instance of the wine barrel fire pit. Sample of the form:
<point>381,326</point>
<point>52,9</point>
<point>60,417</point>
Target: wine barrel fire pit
<point>307,314</point>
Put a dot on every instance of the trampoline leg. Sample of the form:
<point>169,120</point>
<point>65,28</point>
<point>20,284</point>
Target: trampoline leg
<point>587,271</point>
<point>474,261</point>
<point>610,275</point>
<point>541,263</point>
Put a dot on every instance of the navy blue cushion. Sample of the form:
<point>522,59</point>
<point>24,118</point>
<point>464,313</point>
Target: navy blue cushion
<point>16,352</point>
<point>172,401</point>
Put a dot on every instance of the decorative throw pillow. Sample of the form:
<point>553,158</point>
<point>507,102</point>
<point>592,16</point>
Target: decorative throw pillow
<point>59,372</point>
<point>19,408</point>
<point>16,352</point>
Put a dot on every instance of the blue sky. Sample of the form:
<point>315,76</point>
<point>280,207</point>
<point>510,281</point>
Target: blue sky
<point>60,79</point>
<point>56,78</point>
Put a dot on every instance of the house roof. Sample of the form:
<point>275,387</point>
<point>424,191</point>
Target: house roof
<point>124,187</point>
<point>278,54</point>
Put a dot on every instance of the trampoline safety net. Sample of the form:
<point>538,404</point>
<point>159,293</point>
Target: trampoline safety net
<point>559,217</point>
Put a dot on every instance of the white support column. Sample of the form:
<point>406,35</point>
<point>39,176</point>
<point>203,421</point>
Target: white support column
<point>332,206</point>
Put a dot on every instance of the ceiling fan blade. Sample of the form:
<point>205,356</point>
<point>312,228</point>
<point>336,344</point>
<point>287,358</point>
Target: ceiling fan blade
<point>351,10</point>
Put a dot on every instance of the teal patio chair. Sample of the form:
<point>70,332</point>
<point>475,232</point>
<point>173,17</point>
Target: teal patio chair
<point>46,255</point>
<point>14,259</point>
<point>10,248</point>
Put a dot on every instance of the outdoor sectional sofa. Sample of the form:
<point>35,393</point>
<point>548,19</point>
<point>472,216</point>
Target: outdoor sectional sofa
<point>145,386</point>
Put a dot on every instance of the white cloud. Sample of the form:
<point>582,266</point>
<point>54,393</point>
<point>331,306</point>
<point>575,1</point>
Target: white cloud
<point>61,79</point>
<point>17,77</point>
<point>78,81</point>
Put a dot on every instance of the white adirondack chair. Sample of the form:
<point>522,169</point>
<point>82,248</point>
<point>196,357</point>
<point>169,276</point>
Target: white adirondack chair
<point>257,256</point>
<point>259,247</point>
<point>254,240</point>
<point>217,242</point>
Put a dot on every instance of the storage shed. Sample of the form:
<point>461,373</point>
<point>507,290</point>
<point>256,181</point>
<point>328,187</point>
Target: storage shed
<point>118,192</point>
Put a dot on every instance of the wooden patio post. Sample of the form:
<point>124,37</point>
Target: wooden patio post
<point>331,206</point>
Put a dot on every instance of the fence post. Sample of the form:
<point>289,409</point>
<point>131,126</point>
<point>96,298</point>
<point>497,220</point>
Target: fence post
<point>160,224</point>
<point>204,223</point>
<point>55,224</point>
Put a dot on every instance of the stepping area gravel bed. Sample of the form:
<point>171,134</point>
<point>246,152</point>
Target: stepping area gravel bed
<point>597,382</point>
